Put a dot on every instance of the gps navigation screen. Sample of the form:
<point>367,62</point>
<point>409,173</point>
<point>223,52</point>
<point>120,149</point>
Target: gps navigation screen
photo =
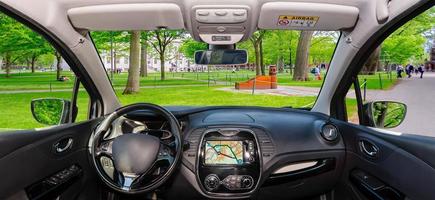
<point>224,152</point>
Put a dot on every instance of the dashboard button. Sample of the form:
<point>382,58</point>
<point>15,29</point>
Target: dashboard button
<point>203,13</point>
<point>239,13</point>
<point>220,13</point>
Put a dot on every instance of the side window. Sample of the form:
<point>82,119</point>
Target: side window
<point>34,77</point>
<point>399,78</point>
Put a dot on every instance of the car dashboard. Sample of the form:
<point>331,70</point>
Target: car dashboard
<point>242,152</point>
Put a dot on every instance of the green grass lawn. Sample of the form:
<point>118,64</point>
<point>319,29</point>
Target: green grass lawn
<point>46,80</point>
<point>16,107</point>
<point>17,115</point>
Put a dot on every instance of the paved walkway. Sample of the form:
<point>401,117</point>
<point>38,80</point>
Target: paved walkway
<point>419,96</point>
<point>288,91</point>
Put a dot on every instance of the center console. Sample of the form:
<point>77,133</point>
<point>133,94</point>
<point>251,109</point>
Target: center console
<point>228,162</point>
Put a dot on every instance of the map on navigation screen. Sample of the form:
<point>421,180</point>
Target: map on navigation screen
<point>224,152</point>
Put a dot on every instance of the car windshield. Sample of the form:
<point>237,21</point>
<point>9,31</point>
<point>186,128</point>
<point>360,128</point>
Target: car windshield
<point>284,68</point>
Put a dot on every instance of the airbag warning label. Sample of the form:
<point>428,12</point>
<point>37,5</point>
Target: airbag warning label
<point>297,21</point>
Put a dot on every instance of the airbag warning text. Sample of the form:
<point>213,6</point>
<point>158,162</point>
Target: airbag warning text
<point>297,21</point>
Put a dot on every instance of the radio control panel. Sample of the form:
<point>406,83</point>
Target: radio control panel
<point>228,162</point>
<point>231,182</point>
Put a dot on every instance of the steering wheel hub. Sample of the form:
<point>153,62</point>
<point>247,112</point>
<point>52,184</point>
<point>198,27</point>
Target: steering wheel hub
<point>134,153</point>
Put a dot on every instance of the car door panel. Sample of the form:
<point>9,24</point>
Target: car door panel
<point>29,157</point>
<point>402,164</point>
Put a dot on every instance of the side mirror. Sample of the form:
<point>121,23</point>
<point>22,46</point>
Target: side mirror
<point>51,111</point>
<point>384,114</point>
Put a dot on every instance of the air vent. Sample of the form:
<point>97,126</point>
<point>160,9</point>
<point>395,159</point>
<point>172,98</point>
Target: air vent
<point>266,145</point>
<point>329,132</point>
<point>190,155</point>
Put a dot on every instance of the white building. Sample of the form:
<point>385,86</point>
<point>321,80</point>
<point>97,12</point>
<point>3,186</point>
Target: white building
<point>174,61</point>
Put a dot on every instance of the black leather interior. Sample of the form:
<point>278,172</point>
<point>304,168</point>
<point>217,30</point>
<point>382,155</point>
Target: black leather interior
<point>28,157</point>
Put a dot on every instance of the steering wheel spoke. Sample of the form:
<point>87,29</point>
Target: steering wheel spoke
<point>126,180</point>
<point>104,149</point>
<point>165,154</point>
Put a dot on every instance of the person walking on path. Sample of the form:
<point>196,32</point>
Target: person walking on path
<point>317,73</point>
<point>421,70</point>
<point>409,70</point>
<point>399,71</point>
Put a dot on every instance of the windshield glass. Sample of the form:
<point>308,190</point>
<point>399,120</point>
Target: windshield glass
<point>284,68</point>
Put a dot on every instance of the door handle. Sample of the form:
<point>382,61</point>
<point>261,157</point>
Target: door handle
<point>368,148</point>
<point>63,145</point>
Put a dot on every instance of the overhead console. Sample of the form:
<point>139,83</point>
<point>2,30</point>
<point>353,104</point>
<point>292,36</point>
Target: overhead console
<point>220,25</point>
<point>228,162</point>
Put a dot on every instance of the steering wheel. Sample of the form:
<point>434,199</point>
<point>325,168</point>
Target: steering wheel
<point>141,162</point>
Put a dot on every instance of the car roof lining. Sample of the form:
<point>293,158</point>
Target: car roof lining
<point>175,15</point>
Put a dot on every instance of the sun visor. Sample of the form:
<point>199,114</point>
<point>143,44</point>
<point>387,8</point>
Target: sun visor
<point>145,16</point>
<point>307,16</point>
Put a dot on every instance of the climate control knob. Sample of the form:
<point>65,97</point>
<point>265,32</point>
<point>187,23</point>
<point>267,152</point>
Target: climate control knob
<point>247,182</point>
<point>211,182</point>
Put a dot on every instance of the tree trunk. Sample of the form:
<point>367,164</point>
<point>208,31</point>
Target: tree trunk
<point>58,67</point>
<point>263,70</point>
<point>162,66</point>
<point>372,63</point>
<point>143,60</point>
<point>32,63</point>
<point>257,59</point>
<point>134,67</point>
<point>302,52</point>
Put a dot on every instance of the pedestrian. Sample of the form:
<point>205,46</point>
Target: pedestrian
<point>399,71</point>
<point>409,70</point>
<point>317,73</point>
<point>421,70</point>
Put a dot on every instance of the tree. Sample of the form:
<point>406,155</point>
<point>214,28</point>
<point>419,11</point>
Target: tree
<point>134,65</point>
<point>36,47</point>
<point>406,44</point>
<point>302,54</point>
<point>13,41</point>
<point>111,41</point>
<point>161,39</point>
<point>279,46</point>
<point>371,65</point>
<point>257,43</point>
<point>58,62</point>
<point>190,46</point>
<point>144,54</point>
<point>322,46</point>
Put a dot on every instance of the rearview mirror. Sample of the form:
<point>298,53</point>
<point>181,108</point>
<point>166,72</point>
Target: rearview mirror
<point>385,114</point>
<point>51,111</point>
<point>221,57</point>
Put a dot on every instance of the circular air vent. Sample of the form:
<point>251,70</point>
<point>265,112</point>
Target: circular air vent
<point>329,132</point>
